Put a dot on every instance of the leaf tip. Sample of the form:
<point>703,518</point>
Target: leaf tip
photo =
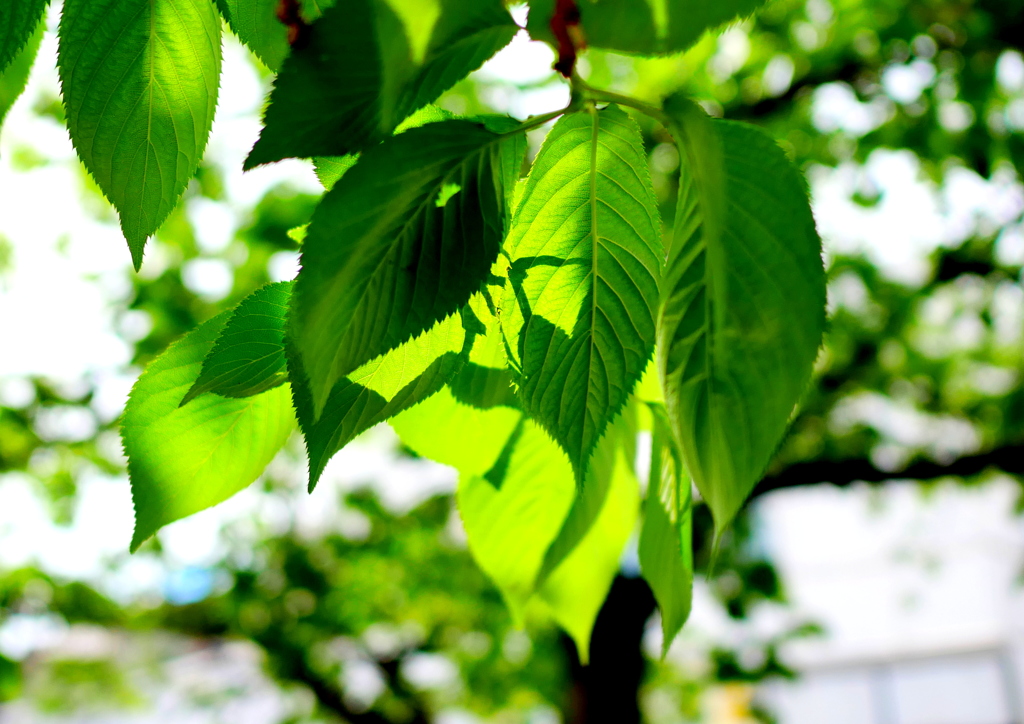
<point>314,478</point>
<point>258,156</point>
<point>139,536</point>
<point>669,631</point>
<point>137,248</point>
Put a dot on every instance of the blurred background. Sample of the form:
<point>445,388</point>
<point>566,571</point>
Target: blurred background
<point>875,577</point>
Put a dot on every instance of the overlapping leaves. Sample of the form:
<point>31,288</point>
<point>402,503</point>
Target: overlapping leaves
<point>504,342</point>
<point>366,65</point>
<point>399,243</point>
<point>184,458</point>
<point>527,527</point>
<point>584,251</point>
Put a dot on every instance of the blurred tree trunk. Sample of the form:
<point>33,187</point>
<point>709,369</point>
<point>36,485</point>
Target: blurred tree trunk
<point>606,690</point>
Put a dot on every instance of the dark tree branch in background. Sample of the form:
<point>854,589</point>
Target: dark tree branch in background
<point>326,695</point>
<point>768,106</point>
<point>1008,459</point>
<point>291,665</point>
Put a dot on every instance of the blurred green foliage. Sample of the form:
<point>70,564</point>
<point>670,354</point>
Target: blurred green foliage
<point>945,346</point>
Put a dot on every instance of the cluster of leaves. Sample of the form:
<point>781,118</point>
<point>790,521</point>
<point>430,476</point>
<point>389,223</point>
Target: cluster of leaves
<point>505,325</point>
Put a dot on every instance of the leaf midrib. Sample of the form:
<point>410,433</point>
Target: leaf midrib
<point>595,129</point>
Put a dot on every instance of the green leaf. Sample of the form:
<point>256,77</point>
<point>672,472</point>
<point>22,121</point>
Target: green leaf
<point>578,312</point>
<point>744,307</point>
<point>467,424</point>
<point>576,590</point>
<point>248,357</point>
<point>184,459</point>
<point>379,389</point>
<point>514,511</point>
<point>644,27</point>
<point>256,24</point>
<point>389,252</point>
<point>618,442</point>
<point>140,79</point>
<point>465,35</point>
<point>15,75</point>
<point>688,20</point>
<point>666,538</point>
<point>312,9</point>
<point>331,168</point>
<point>357,77</point>
<point>452,433</point>
<point>516,493</point>
<point>20,21</point>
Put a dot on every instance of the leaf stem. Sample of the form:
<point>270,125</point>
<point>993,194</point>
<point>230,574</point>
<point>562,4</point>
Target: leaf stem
<point>597,94</point>
<point>536,121</point>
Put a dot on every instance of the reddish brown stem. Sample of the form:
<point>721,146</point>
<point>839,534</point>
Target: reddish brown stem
<point>565,24</point>
<point>288,12</point>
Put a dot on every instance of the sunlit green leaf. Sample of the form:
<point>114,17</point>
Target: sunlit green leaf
<point>618,442</point>
<point>576,590</point>
<point>331,168</point>
<point>139,80</point>
<point>578,312</point>
<point>515,484</point>
<point>19,21</point>
<point>744,308</point>
<point>184,459</point>
<point>467,424</point>
<point>256,24</point>
<point>248,357</point>
<point>356,77</point>
<point>379,389</point>
<point>15,75</point>
<point>450,432</point>
<point>666,538</point>
<point>514,511</point>
<point>389,253</point>
<point>645,27</point>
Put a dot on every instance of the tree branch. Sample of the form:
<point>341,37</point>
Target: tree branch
<point>843,473</point>
<point>847,71</point>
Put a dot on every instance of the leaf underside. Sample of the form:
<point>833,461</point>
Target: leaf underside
<point>578,312</point>
<point>743,313</point>
<point>139,81</point>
